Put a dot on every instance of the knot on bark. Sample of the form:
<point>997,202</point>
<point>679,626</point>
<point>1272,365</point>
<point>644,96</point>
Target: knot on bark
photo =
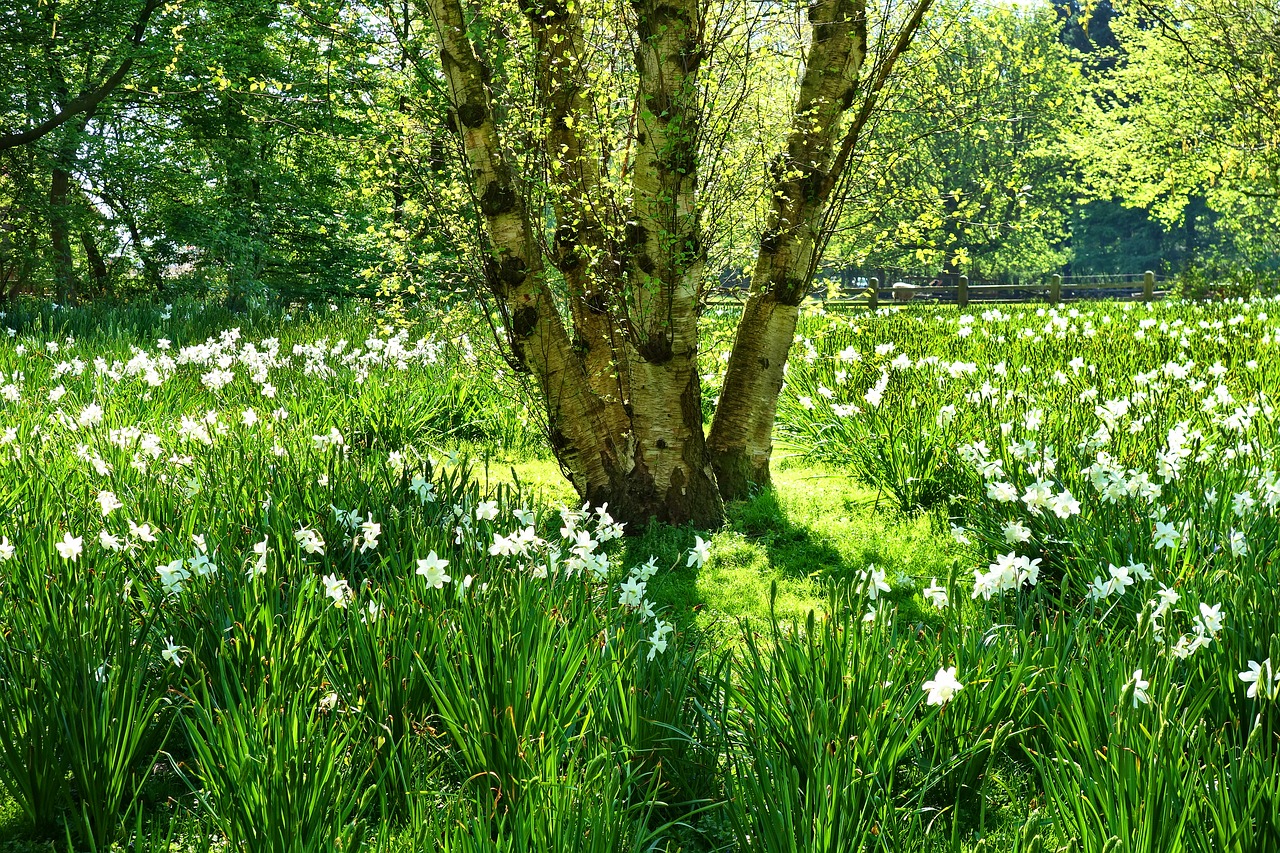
<point>472,114</point>
<point>656,350</point>
<point>523,322</point>
<point>634,235</point>
<point>497,199</point>
<point>513,271</point>
<point>597,303</point>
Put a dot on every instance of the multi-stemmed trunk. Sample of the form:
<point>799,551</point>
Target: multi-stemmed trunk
<point>620,384</point>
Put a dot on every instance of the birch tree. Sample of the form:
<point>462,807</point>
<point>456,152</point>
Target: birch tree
<point>596,205</point>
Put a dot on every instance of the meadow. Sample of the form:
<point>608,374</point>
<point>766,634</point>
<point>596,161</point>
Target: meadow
<point>307,579</point>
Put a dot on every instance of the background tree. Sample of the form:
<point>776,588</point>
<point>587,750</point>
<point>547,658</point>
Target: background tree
<point>1183,123</point>
<point>972,162</point>
<point>64,63</point>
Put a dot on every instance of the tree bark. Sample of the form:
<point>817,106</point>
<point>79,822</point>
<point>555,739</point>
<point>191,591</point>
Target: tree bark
<point>644,456</point>
<point>98,273</point>
<point>64,270</point>
<point>581,250</point>
<point>822,139</point>
<point>665,259</point>
<point>741,433</point>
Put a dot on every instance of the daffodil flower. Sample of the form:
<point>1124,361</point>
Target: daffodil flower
<point>432,568</point>
<point>943,687</point>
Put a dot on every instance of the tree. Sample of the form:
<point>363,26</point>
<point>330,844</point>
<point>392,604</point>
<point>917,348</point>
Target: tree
<point>593,197</point>
<point>42,39</point>
<point>238,153</point>
<point>1186,120</point>
<point>972,163</point>
<point>64,61</point>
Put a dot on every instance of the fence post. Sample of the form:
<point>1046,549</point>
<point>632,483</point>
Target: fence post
<point>1148,286</point>
<point>1055,289</point>
<point>873,293</point>
<point>962,291</point>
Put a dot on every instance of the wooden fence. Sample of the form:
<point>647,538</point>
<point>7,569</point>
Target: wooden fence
<point>869,292</point>
<point>963,293</point>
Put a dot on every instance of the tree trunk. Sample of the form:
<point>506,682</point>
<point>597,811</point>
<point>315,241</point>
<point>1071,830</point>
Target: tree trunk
<point>242,240</point>
<point>741,433</point>
<point>579,201</point>
<point>150,269</point>
<point>9,265</point>
<point>97,265</point>
<point>64,270</point>
<point>819,147</point>
<point>665,260</point>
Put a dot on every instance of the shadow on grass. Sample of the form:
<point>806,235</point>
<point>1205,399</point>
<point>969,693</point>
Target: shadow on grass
<point>759,546</point>
<point>811,529</point>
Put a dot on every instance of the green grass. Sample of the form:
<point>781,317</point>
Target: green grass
<point>534,703</point>
<point>11,823</point>
<point>814,527</point>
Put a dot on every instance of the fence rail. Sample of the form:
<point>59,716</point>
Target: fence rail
<point>870,293</point>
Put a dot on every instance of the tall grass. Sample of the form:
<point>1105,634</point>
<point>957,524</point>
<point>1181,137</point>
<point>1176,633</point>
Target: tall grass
<point>253,596</point>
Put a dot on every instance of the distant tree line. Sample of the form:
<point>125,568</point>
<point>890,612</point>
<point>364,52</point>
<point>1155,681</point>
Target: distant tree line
<point>241,147</point>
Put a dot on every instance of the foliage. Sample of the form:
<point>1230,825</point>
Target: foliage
<point>1183,118</point>
<point>172,628</point>
<point>969,171</point>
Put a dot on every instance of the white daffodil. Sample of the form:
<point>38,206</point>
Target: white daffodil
<point>937,595</point>
<point>1015,532</point>
<point>1239,545</point>
<point>874,582</point>
<point>943,687</point>
<point>432,568</point>
<point>309,540</point>
<point>700,553</point>
<point>141,532</point>
<point>337,589</point>
<point>173,575</point>
<point>1210,619</point>
<point>369,533</point>
<point>172,653</point>
<point>1166,536</point>
<point>1001,492</point>
<point>423,488</point>
<point>108,503</point>
<point>70,548</point>
<point>1139,685</point>
<point>632,592</point>
<point>259,567</point>
<point>1261,680</point>
<point>1165,598</point>
<point>658,640</point>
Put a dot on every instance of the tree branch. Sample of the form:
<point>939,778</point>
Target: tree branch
<point>88,100</point>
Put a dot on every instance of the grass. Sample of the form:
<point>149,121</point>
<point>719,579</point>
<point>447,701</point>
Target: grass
<point>785,544</point>
<point>537,689</point>
<point>817,525</point>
